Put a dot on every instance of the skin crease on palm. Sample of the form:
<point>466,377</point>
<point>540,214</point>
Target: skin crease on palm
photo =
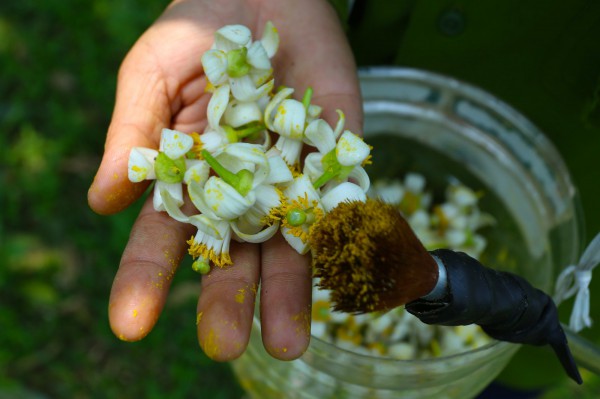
<point>161,84</point>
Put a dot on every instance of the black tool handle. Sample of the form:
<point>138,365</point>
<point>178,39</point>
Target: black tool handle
<point>505,305</point>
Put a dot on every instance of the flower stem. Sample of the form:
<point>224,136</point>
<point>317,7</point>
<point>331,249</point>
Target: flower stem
<point>324,178</point>
<point>307,97</point>
<point>241,181</point>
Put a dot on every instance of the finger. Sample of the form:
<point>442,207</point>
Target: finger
<point>141,111</point>
<point>159,85</point>
<point>226,304</point>
<point>156,246</point>
<point>285,299</point>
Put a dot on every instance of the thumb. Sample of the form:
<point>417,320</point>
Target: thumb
<point>141,111</point>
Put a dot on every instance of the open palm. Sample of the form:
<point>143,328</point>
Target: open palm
<point>161,84</point>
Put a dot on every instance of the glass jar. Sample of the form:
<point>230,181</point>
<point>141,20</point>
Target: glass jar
<point>444,129</point>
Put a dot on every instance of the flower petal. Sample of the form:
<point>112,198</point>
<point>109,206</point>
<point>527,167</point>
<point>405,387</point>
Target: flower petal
<point>231,37</point>
<point>250,154</point>
<point>319,134</point>
<point>215,228</point>
<point>195,191</point>
<point>171,206</point>
<point>224,200</point>
<point>290,150</point>
<point>260,76</point>
<point>240,113</point>
<point>302,247</point>
<point>270,39</point>
<point>313,112</point>
<point>141,164</point>
<point>302,187</point>
<point>217,106</point>
<point>214,63</point>
<point>359,176</point>
<point>278,171</point>
<point>257,56</point>
<point>351,149</point>
<point>274,104</point>
<point>197,171</point>
<point>175,144</point>
<point>339,126</point>
<point>343,192</point>
<point>256,238</point>
<point>213,141</point>
<point>244,89</point>
<point>290,118</point>
<point>174,189</point>
<point>313,167</point>
<point>264,210</point>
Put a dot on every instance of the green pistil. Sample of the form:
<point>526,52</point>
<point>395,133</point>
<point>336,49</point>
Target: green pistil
<point>248,130</point>
<point>201,267</point>
<point>231,134</point>
<point>241,181</point>
<point>169,170</point>
<point>237,64</point>
<point>332,169</point>
<point>307,97</point>
<point>296,217</point>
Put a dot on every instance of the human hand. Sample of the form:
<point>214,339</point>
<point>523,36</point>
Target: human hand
<point>161,84</point>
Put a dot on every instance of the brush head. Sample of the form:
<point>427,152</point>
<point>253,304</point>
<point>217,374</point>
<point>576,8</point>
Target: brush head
<point>370,258</point>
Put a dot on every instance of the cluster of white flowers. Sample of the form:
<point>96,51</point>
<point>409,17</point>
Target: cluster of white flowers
<point>451,224</point>
<point>243,186</point>
<point>455,224</point>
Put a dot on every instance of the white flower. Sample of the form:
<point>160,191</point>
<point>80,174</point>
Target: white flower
<point>241,63</point>
<point>212,239</point>
<point>336,162</point>
<point>344,192</point>
<point>301,210</point>
<point>289,118</point>
<point>167,166</point>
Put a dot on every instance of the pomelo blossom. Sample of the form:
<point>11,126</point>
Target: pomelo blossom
<point>239,198</point>
<point>168,166</point>
<point>242,186</point>
<point>302,208</point>
<point>243,64</point>
<point>289,118</point>
<point>336,169</point>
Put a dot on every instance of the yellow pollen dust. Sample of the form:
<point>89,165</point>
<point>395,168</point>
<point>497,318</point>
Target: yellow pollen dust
<point>240,296</point>
<point>210,346</point>
<point>198,146</point>
<point>201,250</point>
<point>345,245</point>
<point>276,213</point>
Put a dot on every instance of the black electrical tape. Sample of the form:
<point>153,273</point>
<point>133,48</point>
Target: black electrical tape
<point>505,305</point>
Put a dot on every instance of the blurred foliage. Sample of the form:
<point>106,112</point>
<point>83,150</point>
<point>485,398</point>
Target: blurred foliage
<point>58,66</point>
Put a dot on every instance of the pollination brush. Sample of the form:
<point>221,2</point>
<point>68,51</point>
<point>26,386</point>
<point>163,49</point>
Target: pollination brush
<point>371,260</point>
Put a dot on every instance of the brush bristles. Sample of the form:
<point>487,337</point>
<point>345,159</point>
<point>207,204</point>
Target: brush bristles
<point>369,257</point>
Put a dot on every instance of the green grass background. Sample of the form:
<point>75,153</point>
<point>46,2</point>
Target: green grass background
<point>58,65</point>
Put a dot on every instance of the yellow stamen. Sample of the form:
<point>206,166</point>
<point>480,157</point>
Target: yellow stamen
<point>198,146</point>
<point>197,250</point>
